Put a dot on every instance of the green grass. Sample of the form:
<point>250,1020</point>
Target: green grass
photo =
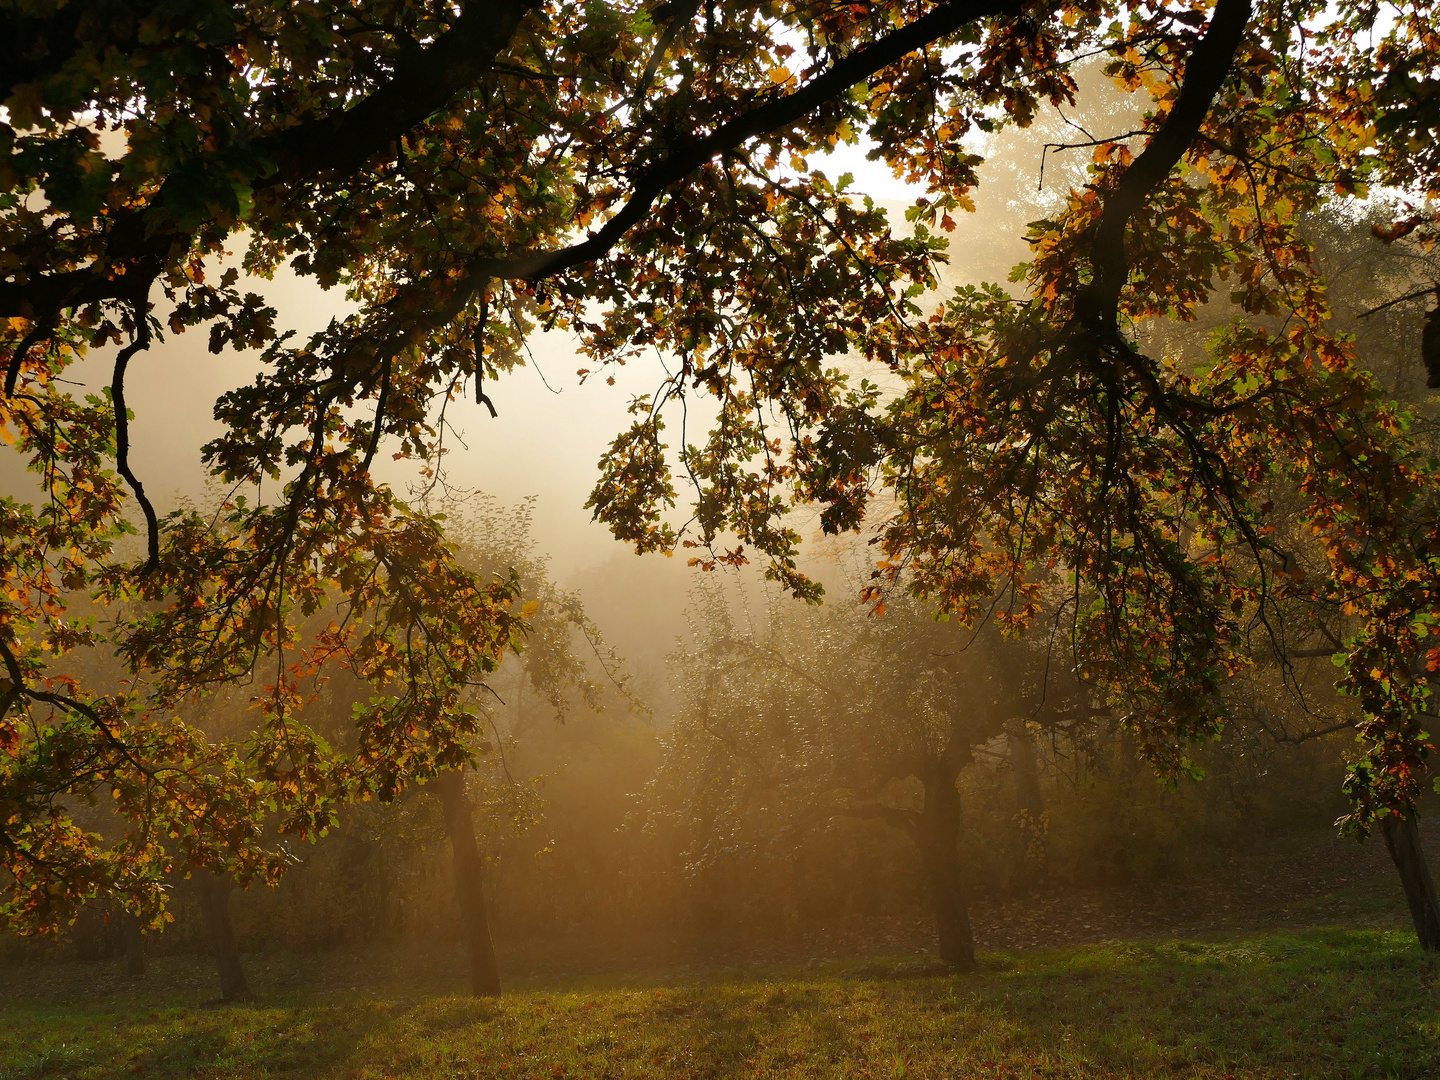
<point>1318,1003</point>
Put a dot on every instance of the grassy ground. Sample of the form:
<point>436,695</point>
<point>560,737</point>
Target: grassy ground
<point>1312,1003</point>
<point>1313,982</point>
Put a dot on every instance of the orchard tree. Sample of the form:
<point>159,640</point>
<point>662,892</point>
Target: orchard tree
<point>811,713</point>
<point>650,178</point>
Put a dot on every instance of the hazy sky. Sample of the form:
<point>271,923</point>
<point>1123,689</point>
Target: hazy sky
<point>547,439</point>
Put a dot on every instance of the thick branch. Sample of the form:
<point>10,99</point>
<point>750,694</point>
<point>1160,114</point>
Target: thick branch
<point>895,816</point>
<point>960,744</point>
<point>423,81</point>
<point>1205,72</point>
<point>42,329</point>
<point>773,116</point>
<point>380,402</point>
<point>1416,294</point>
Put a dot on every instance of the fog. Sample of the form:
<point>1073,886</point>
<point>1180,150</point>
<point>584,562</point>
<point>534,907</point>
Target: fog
<point>633,834</point>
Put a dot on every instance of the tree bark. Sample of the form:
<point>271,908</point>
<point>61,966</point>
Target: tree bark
<point>1402,838</point>
<point>133,943</point>
<point>938,836</point>
<point>469,881</point>
<point>213,892</point>
<point>1030,810</point>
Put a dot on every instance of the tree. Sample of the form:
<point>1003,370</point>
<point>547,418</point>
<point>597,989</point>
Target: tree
<point>647,177</point>
<point>302,133</point>
<point>822,712</point>
<point>1066,444</point>
<point>494,541</point>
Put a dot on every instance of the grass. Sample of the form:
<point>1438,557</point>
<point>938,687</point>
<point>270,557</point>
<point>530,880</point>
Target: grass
<point>1311,1003</point>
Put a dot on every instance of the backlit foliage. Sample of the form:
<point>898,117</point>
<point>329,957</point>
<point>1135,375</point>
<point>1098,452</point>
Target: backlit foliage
<point>649,178</point>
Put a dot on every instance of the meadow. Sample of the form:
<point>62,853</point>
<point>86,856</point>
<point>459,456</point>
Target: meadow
<point>1322,1002</point>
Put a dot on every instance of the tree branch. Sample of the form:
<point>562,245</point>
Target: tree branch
<point>906,820</point>
<point>139,342</point>
<point>770,117</point>
<point>422,83</point>
<point>380,403</point>
<point>1416,294</point>
<point>1205,72</point>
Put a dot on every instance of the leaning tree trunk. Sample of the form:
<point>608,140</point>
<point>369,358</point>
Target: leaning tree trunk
<point>213,892</point>
<point>1402,837</point>
<point>469,881</point>
<point>938,836</point>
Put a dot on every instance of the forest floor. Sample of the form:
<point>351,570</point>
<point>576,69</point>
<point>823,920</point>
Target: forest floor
<point>1300,965</point>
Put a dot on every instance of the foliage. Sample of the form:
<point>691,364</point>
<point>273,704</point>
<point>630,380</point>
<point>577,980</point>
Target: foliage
<point>649,177</point>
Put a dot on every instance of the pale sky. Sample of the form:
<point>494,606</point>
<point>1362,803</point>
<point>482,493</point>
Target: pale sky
<point>546,440</point>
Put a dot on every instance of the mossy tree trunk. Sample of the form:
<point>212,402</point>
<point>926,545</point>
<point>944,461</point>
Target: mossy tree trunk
<point>1402,838</point>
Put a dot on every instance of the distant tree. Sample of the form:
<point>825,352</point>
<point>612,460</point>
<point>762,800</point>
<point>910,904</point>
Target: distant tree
<point>816,713</point>
<point>565,660</point>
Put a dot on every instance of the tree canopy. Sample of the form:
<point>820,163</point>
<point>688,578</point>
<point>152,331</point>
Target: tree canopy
<point>651,178</point>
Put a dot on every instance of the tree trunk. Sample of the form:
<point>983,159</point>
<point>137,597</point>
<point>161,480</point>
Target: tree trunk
<point>133,943</point>
<point>1030,811</point>
<point>213,892</point>
<point>469,881</point>
<point>938,836</point>
<point>1402,837</point>
<point>88,934</point>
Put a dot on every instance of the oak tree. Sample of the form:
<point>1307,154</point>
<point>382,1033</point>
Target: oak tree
<point>650,177</point>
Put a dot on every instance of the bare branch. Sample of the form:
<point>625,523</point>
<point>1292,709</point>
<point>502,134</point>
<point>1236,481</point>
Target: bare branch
<point>139,342</point>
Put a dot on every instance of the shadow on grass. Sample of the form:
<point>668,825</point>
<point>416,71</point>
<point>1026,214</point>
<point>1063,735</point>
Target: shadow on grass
<point>129,1039</point>
<point>1321,1003</point>
<point>1318,1003</point>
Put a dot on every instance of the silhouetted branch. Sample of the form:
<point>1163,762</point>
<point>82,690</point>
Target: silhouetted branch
<point>777,113</point>
<point>1205,72</point>
<point>1417,294</point>
<point>139,342</point>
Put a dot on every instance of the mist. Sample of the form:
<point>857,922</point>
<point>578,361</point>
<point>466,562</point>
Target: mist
<point>683,778</point>
<point>595,857</point>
